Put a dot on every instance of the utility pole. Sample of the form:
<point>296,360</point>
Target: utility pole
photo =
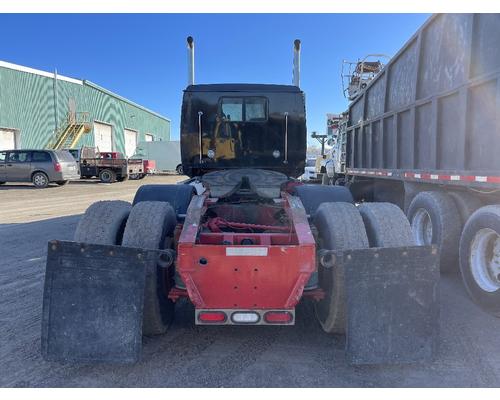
<point>321,139</point>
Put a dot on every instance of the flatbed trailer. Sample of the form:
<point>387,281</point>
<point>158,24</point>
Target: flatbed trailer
<point>108,166</point>
<point>424,135</point>
<point>244,242</point>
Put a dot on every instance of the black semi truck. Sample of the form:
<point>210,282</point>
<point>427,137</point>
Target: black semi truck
<point>425,134</point>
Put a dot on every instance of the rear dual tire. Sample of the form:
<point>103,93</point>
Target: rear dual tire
<point>148,225</point>
<point>342,226</point>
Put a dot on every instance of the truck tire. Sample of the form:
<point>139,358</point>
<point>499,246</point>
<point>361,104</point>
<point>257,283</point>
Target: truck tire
<point>325,180</point>
<point>313,195</point>
<point>40,180</point>
<point>466,204</point>
<point>386,225</point>
<point>434,219</point>
<point>103,223</point>
<point>122,178</point>
<point>107,176</point>
<point>179,169</point>
<point>149,226</point>
<point>340,227</point>
<point>480,258</point>
<point>178,196</point>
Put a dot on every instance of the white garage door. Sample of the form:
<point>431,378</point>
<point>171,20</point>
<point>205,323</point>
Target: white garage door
<point>149,137</point>
<point>103,136</point>
<point>130,142</point>
<point>8,139</point>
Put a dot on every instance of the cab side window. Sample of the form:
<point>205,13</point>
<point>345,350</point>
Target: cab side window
<point>19,156</point>
<point>2,156</point>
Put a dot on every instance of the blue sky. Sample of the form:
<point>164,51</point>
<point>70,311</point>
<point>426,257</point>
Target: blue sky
<point>143,56</point>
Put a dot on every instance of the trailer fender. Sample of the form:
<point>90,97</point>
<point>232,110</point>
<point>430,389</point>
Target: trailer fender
<point>178,196</point>
<point>312,196</point>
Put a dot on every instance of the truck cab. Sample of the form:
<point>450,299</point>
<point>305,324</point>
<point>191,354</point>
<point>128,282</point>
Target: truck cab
<point>228,126</point>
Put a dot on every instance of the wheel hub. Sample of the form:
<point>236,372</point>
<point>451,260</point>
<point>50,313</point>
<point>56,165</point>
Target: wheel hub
<point>40,180</point>
<point>421,226</point>
<point>484,259</point>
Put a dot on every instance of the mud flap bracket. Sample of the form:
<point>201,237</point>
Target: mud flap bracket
<point>93,301</point>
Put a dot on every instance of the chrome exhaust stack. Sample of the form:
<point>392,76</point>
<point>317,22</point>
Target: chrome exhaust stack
<point>296,63</point>
<point>190,44</point>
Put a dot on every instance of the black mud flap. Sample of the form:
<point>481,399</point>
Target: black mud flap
<point>93,302</point>
<point>392,304</point>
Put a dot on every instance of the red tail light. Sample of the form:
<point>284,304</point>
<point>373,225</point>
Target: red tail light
<point>278,317</point>
<point>212,317</point>
<point>57,167</point>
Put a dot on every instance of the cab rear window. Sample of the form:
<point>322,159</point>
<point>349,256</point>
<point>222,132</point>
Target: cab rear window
<point>243,109</point>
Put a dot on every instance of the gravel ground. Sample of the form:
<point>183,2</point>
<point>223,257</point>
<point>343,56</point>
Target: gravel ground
<point>193,356</point>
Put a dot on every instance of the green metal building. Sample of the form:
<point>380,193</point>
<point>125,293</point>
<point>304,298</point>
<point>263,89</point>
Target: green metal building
<point>36,107</point>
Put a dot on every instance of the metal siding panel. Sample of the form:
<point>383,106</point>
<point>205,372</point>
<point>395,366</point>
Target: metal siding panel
<point>367,146</point>
<point>405,140</point>
<point>424,139</point>
<point>485,49</point>
<point>375,99</point>
<point>445,57</point>
<point>483,143</point>
<point>390,145</point>
<point>27,104</point>
<point>377,144</point>
<point>401,78</point>
<point>356,112</point>
<point>448,146</point>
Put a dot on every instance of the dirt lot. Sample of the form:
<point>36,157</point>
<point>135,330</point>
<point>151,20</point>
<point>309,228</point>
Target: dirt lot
<point>301,355</point>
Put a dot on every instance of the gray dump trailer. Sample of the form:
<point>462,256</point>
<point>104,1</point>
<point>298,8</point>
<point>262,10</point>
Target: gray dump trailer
<point>425,134</point>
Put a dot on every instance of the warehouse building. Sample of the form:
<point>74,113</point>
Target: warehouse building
<point>38,107</point>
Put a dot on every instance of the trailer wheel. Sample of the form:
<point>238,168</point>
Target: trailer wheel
<point>466,204</point>
<point>178,196</point>
<point>149,226</point>
<point>434,219</point>
<point>103,222</point>
<point>179,169</point>
<point>340,227</point>
<point>313,195</point>
<point>386,225</point>
<point>107,176</point>
<point>480,258</point>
